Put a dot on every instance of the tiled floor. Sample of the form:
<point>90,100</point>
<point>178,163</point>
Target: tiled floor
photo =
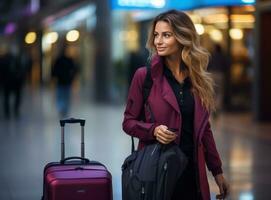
<point>28,143</point>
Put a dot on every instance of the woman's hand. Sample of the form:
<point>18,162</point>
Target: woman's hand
<point>223,186</point>
<point>163,135</point>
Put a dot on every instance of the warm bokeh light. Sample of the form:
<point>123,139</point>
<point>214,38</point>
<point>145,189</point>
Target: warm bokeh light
<point>51,37</point>
<point>132,35</point>
<point>243,18</point>
<point>195,18</point>
<point>30,38</point>
<point>128,35</point>
<point>216,18</point>
<point>200,29</point>
<point>236,34</point>
<point>48,39</point>
<point>216,35</point>
<point>72,35</point>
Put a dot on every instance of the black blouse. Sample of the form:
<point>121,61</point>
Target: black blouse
<point>186,187</point>
<point>185,100</point>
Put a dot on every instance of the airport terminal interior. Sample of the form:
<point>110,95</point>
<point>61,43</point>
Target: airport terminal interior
<point>106,41</point>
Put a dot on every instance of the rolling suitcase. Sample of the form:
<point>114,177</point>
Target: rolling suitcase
<point>76,178</point>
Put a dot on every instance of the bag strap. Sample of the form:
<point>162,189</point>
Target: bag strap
<point>147,85</point>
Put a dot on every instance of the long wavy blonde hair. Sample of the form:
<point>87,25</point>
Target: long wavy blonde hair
<point>194,56</point>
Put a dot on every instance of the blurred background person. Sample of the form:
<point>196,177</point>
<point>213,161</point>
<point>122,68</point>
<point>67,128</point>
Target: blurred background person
<point>2,60</point>
<point>2,64</point>
<point>64,71</point>
<point>12,78</point>
<point>218,65</point>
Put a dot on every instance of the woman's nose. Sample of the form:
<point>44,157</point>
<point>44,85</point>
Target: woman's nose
<point>159,40</point>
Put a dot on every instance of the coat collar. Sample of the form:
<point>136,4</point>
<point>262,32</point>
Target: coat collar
<point>169,95</point>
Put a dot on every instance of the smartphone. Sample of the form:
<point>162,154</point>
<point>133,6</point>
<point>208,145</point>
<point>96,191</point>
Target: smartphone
<point>174,130</point>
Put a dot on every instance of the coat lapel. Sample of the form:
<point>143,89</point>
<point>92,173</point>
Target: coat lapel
<point>169,95</point>
<point>161,81</point>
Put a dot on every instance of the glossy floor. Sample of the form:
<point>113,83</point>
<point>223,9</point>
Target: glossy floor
<point>28,143</point>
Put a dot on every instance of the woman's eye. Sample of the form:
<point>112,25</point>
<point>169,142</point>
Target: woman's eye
<point>167,35</point>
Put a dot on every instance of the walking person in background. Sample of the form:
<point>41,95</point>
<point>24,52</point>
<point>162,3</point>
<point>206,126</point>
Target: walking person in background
<point>2,65</point>
<point>12,77</point>
<point>64,71</point>
<point>181,99</point>
<point>219,63</point>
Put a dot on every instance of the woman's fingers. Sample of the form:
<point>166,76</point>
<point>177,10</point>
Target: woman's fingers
<point>162,141</point>
<point>223,186</point>
<point>164,137</point>
<point>226,189</point>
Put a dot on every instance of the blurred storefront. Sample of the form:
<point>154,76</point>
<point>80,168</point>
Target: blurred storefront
<point>41,33</point>
<point>227,23</point>
<point>103,36</point>
<point>75,29</point>
<point>73,26</point>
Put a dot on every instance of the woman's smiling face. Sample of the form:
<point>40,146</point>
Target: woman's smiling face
<point>164,40</point>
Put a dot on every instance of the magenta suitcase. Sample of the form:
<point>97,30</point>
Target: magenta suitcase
<point>76,178</point>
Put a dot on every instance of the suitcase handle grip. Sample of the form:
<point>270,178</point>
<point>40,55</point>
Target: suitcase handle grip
<point>72,121</point>
<point>84,160</point>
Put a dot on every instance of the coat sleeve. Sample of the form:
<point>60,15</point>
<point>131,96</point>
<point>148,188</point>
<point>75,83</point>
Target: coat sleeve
<point>132,125</point>
<point>212,157</point>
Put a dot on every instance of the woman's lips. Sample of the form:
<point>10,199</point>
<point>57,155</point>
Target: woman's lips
<point>161,48</point>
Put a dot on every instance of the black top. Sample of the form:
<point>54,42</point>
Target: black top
<point>185,100</point>
<point>64,70</point>
<point>186,186</point>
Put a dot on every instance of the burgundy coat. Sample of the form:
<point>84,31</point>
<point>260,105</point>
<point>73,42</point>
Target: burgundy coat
<point>166,111</point>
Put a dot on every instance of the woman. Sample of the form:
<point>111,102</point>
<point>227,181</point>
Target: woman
<point>181,98</point>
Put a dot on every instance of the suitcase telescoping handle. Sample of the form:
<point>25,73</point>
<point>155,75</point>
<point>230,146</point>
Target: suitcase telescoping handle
<point>72,121</point>
<point>84,160</point>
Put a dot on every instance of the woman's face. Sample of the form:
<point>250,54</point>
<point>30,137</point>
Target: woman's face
<point>164,40</point>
